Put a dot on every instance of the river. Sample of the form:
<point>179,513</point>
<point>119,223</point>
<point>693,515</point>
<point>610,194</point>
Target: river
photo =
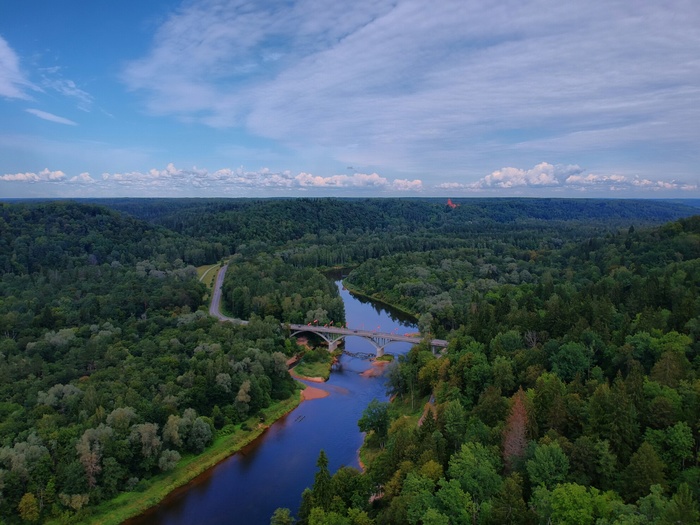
<point>273,471</point>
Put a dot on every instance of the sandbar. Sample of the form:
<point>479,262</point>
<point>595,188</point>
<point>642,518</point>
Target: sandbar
<point>375,370</point>
<point>311,392</point>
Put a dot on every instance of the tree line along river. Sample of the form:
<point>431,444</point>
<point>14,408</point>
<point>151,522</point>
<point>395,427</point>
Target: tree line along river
<point>273,471</point>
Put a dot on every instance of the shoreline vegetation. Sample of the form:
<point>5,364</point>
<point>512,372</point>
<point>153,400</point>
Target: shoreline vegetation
<point>129,505</point>
<point>359,293</point>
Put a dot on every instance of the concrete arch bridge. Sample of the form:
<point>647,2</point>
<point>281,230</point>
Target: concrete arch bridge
<point>380,340</point>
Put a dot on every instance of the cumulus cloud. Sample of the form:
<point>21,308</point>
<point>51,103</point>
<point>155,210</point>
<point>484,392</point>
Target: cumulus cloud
<point>50,117</point>
<point>357,180</point>
<point>544,174</point>
<point>13,82</point>
<point>572,177</point>
<point>407,185</point>
<point>173,180</point>
<point>43,176</point>
<point>83,178</point>
<point>622,182</point>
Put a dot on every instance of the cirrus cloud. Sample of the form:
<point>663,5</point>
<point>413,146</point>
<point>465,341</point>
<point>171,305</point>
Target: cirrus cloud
<point>13,82</point>
<point>407,85</point>
<point>51,117</point>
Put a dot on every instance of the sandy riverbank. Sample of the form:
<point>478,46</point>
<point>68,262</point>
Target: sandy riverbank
<point>311,392</point>
<point>375,370</point>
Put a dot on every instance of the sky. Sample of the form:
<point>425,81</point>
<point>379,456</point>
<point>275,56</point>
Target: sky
<point>466,98</point>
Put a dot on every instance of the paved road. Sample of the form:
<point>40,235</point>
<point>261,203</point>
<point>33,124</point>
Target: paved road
<point>215,306</point>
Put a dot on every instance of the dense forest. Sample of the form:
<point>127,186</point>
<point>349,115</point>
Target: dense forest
<point>569,392</point>
<point>266,286</point>
<point>110,369</point>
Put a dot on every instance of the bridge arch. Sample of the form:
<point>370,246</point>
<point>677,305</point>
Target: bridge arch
<point>332,339</point>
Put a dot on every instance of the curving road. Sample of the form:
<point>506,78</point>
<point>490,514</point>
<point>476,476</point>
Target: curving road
<point>215,306</point>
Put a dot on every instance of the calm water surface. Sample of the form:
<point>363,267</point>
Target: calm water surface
<point>274,470</point>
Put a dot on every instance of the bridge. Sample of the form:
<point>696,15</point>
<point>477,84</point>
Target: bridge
<point>333,335</point>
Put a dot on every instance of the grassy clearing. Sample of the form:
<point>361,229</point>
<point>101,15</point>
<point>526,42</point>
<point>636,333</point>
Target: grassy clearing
<point>130,504</point>
<point>315,369</point>
<point>207,274</point>
<point>316,362</point>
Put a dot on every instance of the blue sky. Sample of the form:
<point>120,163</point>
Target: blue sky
<point>363,98</point>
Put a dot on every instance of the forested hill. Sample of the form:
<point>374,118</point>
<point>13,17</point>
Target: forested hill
<point>53,235</point>
<point>111,371</point>
<point>569,393</point>
<point>278,220</point>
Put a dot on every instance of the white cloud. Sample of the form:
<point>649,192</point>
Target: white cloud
<point>51,117</point>
<point>407,185</point>
<point>624,182</point>
<point>83,178</point>
<point>69,89</point>
<point>357,180</point>
<point>44,175</point>
<point>13,82</point>
<point>452,186</point>
<point>544,174</point>
<point>570,177</point>
<point>410,83</point>
<point>173,180</point>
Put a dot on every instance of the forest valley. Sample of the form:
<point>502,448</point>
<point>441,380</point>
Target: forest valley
<point>569,393</point>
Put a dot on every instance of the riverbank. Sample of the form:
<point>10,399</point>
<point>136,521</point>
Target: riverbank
<point>311,392</point>
<point>312,379</point>
<point>359,293</point>
<point>131,504</point>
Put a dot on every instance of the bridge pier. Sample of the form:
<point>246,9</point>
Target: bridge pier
<point>379,344</point>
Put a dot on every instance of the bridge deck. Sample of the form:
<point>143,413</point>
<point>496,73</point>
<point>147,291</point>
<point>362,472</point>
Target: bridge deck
<point>441,343</point>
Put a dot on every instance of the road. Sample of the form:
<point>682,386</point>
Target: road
<point>215,306</point>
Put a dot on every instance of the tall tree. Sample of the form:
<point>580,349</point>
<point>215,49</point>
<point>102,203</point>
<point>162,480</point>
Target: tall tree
<point>322,489</point>
<point>375,418</point>
<point>514,434</point>
<point>548,466</point>
<point>644,470</point>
